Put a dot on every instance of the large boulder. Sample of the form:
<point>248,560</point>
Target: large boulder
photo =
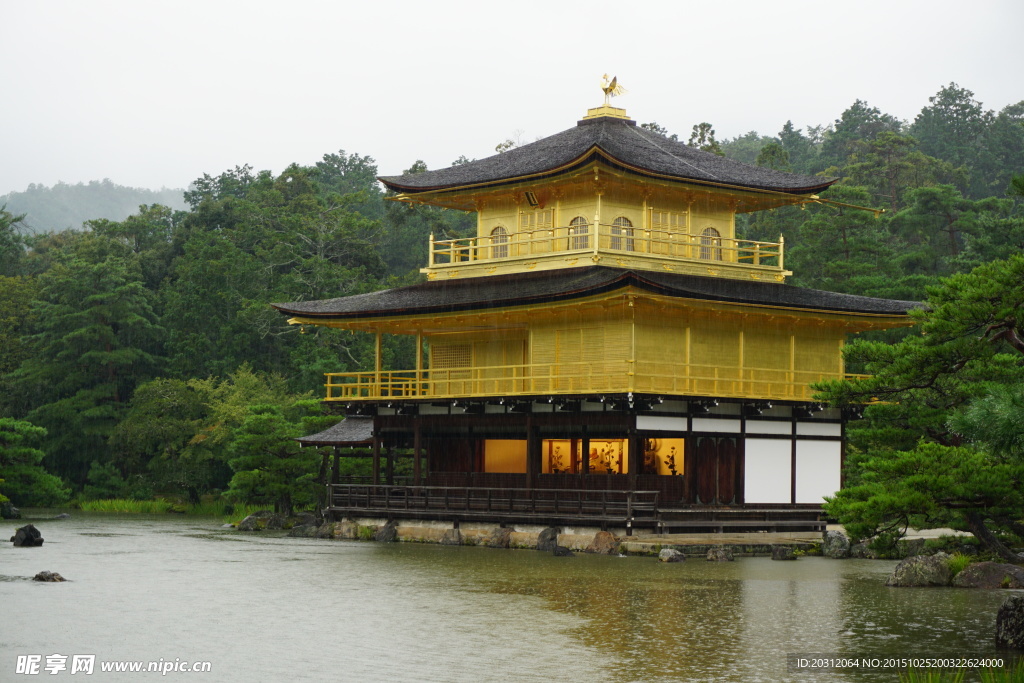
<point>783,552</point>
<point>387,533</point>
<point>303,531</point>
<point>256,521</point>
<point>499,538</point>
<point>548,539</point>
<point>51,577</point>
<point>720,553</point>
<point>27,537</point>
<point>922,570</point>
<point>326,530</point>
<point>604,543</point>
<point>1010,624</point>
<point>835,544</point>
<point>671,555</point>
<point>990,575</point>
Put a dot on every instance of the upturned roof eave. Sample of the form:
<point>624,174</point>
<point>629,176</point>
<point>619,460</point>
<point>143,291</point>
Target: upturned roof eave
<point>583,159</point>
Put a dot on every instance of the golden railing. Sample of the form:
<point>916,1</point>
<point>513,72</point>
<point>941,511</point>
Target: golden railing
<point>579,378</point>
<point>664,244</point>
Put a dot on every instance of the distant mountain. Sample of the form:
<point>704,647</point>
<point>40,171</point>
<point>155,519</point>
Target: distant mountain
<point>63,206</point>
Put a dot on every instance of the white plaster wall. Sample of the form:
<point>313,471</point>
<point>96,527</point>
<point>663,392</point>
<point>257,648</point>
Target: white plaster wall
<point>767,471</point>
<point>765,427</point>
<point>664,424</point>
<point>704,424</point>
<point>819,429</point>
<point>817,470</point>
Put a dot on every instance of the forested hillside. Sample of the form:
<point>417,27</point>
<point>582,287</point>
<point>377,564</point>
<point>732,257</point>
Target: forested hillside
<point>146,349</point>
<point>66,207</point>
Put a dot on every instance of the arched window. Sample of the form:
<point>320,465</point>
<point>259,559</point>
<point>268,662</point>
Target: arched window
<point>499,242</point>
<point>622,227</point>
<point>711,245</point>
<point>579,233</point>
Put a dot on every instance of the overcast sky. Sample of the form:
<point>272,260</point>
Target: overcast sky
<point>155,93</point>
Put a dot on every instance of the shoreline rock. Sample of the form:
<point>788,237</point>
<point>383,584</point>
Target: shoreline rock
<point>990,575</point>
<point>920,571</point>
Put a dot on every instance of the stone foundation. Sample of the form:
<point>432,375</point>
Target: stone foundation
<point>576,539</point>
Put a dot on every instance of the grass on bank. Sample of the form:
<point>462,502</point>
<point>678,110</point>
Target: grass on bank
<point>1014,674</point>
<point>218,508</point>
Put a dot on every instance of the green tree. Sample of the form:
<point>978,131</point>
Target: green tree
<point>654,127</point>
<point>703,138</point>
<point>859,124</point>
<point>268,463</point>
<point>953,126</point>
<point>966,366</point>
<point>12,242</point>
<point>94,338</point>
<point>22,477</point>
<point>774,156</point>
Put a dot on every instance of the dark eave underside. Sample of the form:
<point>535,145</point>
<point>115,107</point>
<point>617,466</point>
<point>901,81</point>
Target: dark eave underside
<point>620,144</point>
<point>501,291</point>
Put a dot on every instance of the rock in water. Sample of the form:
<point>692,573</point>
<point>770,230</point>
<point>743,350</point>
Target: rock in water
<point>990,575</point>
<point>671,555</point>
<point>27,537</point>
<point>387,533</point>
<point>922,570</point>
<point>499,538</point>
<point>604,543</point>
<point>783,552</point>
<point>52,577</point>
<point>720,554</point>
<point>8,511</point>
<point>562,551</point>
<point>835,544</point>
<point>548,539</point>
<point>63,515</point>
<point>1010,624</point>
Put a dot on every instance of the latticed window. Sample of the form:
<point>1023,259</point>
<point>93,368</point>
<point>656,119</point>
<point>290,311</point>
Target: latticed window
<point>579,233</point>
<point>711,245</point>
<point>622,227</point>
<point>499,242</point>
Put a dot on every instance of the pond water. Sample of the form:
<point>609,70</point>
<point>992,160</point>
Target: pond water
<point>264,607</point>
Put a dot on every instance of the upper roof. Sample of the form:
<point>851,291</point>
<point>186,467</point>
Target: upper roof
<point>620,143</point>
<point>498,291</point>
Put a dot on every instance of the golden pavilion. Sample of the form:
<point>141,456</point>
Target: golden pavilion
<point>605,350</point>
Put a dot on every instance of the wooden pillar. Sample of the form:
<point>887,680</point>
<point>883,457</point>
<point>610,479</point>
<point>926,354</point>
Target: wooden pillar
<point>534,452</point>
<point>389,465</point>
<point>420,385</point>
<point>376,459</point>
<point>636,457</point>
<point>586,453</point>
<point>417,449</point>
<point>336,470</point>
<point>377,365</point>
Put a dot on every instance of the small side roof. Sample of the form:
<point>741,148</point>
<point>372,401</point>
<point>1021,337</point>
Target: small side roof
<point>352,431</point>
<point>618,142</point>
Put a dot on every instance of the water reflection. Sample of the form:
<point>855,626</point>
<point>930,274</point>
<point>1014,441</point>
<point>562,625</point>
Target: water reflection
<point>265,607</point>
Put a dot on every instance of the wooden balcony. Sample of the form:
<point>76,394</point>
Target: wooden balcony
<point>620,247</point>
<point>577,378</point>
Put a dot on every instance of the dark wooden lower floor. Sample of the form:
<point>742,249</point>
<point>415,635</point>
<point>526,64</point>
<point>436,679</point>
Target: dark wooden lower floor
<point>550,506</point>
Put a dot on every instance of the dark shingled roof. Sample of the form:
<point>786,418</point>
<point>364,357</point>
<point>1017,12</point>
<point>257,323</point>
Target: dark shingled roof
<point>633,147</point>
<point>352,431</point>
<point>496,291</point>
